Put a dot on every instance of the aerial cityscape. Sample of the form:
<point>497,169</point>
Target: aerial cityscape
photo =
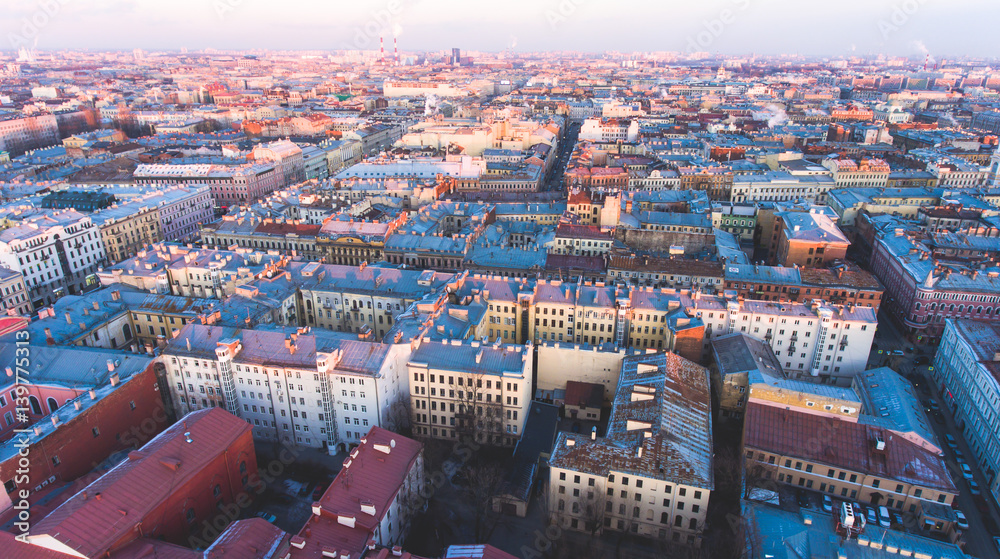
<point>541,280</point>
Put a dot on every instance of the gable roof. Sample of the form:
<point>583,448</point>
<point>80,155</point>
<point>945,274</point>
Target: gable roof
<point>110,508</point>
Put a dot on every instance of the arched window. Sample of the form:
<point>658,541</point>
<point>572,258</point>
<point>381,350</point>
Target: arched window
<point>36,408</point>
<point>53,405</point>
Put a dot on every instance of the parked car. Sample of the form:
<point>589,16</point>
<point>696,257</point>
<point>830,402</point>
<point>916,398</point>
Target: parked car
<point>921,360</point>
<point>883,517</point>
<point>966,471</point>
<point>318,492</point>
<point>950,440</point>
<point>802,498</point>
<point>872,517</point>
<point>827,503</point>
<point>897,519</point>
<point>896,352</point>
<point>962,522</point>
<point>267,516</point>
<point>974,488</point>
<point>931,405</point>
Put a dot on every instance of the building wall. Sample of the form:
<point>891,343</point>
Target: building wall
<point>844,484</point>
<point>168,520</point>
<point>291,404</point>
<point>124,238</point>
<point>850,340</point>
<point>971,392</point>
<point>560,363</point>
<point>623,502</point>
<point>14,294</point>
<point>450,404</point>
<point>129,416</point>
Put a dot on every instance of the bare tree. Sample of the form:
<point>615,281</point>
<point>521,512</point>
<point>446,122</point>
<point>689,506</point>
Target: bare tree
<point>593,506</point>
<point>485,482</point>
<point>398,417</point>
<point>478,415</point>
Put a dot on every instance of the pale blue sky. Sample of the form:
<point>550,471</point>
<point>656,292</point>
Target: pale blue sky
<point>899,27</point>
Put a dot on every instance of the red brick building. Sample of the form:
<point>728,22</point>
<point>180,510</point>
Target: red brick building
<point>125,411</point>
<point>163,491</point>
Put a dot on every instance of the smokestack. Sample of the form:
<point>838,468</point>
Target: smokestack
<point>381,48</point>
<point>395,51</point>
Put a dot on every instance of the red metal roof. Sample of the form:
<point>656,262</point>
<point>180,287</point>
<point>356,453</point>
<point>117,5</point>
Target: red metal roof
<point>581,231</point>
<point>372,475</point>
<point>14,549</point>
<point>113,506</point>
<point>584,394</point>
<point>579,197</point>
<point>569,261</point>
<point>843,444</point>
<point>286,228</point>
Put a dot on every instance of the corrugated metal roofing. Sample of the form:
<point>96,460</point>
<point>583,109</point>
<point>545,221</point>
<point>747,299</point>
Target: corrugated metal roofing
<point>130,491</point>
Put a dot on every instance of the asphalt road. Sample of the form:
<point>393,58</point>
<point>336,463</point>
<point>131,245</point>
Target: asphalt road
<point>555,180</point>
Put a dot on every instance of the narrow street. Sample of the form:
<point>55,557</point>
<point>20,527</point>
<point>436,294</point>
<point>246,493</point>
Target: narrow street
<point>888,338</point>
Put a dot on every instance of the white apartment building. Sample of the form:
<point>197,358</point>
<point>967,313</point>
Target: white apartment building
<point>182,210</point>
<point>18,135</point>
<point>780,186</point>
<point>230,184</point>
<point>461,389</point>
<point>957,173</point>
<point>320,390</point>
<point>286,156</point>
<point>609,130</point>
<point>968,366</point>
<point>57,254</point>
<point>651,475</point>
<point>847,173</point>
<point>829,342</point>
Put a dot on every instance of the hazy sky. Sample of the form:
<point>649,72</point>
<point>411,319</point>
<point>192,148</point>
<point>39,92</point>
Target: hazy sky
<point>899,27</point>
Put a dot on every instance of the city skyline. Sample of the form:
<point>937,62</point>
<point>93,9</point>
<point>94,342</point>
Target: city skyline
<point>733,27</point>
